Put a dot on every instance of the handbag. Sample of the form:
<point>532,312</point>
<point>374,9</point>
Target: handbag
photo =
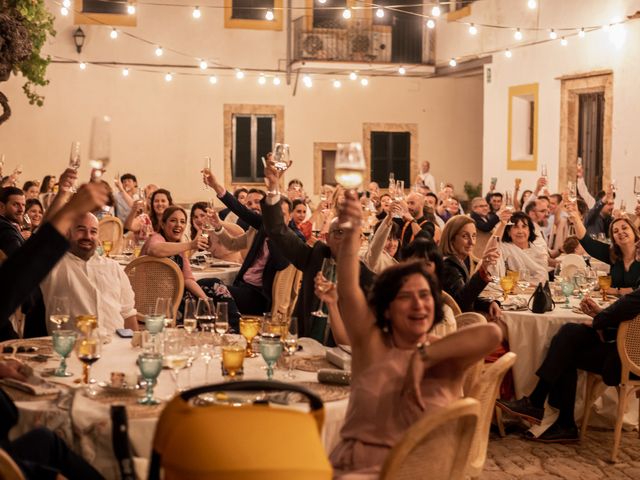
<point>541,301</point>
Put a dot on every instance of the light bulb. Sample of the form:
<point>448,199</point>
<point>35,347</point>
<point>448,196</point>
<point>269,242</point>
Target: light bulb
<point>552,34</point>
<point>353,76</point>
<point>364,82</point>
<point>380,13</point>
<point>262,80</point>
<point>159,51</point>
<point>507,53</point>
<point>125,72</point>
<point>131,9</point>
<point>322,1</point>
<point>581,33</point>
<point>435,11</point>
<point>473,30</point>
<point>64,11</point>
<point>337,84</point>
<point>431,23</point>
<point>346,13</point>
<point>307,81</point>
<point>239,74</point>
<point>606,27</point>
<point>402,70</point>
<point>269,15</point>
<point>114,34</point>
<point>518,35</point>
<point>532,4</point>
<point>564,42</point>
<point>66,3</point>
<point>196,12</point>
<point>168,77</point>
<point>213,80</point>
<point>203,65</point>
<point>452,62</point>
<point>83,66</point>
<point>276,81</point>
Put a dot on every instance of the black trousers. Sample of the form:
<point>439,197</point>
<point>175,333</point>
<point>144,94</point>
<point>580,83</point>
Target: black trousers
<point>574,347</point>
<point>249,299</point>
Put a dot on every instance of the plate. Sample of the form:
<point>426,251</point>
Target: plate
<point>107,387</point>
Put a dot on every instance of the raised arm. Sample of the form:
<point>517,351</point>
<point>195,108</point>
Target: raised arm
<point>377,243</point>
<point>249,216</point>
<point>156,246</point>
<point>583,190</point>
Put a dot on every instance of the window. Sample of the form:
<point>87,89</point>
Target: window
<point>329,15</point>
<point>390,152</point>
<point>591,138</point>
<point>253,138</point>
<point>251,9</point>
<point>251,14</point>
<point>99,12</point>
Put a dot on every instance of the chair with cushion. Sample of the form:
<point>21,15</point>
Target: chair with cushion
<point>286,285</point>
<point>448,300</point>
<point>436,447</point>
<point>152,278</point>
<point>237,436</point>
<point>628,342</point>
<point>485,390</point>
<point>9,470</point>
<point>110,228</point>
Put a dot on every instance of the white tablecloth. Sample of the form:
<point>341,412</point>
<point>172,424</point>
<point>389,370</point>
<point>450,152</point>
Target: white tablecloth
<point>226,274</point>
<point>90,419</point>
<point>529,335</point>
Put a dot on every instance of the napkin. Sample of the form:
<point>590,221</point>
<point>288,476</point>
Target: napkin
<point>34,385</point>
<point>515,303</point>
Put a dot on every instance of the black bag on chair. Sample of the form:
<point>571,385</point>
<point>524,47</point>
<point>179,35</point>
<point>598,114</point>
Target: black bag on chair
<point>541,301</point>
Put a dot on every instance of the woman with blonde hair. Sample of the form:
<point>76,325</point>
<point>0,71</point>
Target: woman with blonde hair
<point>464,277</point>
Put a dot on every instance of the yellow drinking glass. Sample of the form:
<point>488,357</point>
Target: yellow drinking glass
<point>604,282</point>
<point>514,275</point>
<point>136,250</point>
<point>232,359</point>
<point>107,245</point>
<point>86,323</point>
<point>507,285</point>
<point>249,328</point>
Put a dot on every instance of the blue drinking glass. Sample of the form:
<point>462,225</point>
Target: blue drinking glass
<point>63,343</point>
<point>150,366</point>
<point>567,290</point>
<point>154,323</point>
<point>270,348</point>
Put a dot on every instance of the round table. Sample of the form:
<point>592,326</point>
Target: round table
<point>85,423</point>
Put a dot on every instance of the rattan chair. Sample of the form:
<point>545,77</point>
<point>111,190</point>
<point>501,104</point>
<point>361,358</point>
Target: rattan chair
<point>473,373</point>
<point>8,468</point>
<point>448,300</point>
<point>437,447</point>
<point>629,350</point>
<point>486,391</point>
<point>152,278</point>
<point>110,228</point>
<point>286,285</point>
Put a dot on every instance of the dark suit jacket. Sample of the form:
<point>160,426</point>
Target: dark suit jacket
<point>10,238</point>
<point>463,288</point>
<point>276,260</point>
<point>485,224</point>
<point>625,308</point>
<point>306,259</point>
<point>23,271</point>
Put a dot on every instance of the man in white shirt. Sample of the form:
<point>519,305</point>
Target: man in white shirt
<point>426,178</point>
<point>93,284</point>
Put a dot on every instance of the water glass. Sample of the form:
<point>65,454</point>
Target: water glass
<point>154,323</point>
<point>270,348</point>
<point>150,365</point>
<point>63,343</point>
<point>567,286</point>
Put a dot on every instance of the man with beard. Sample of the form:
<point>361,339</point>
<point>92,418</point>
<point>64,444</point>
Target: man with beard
<point>12,202</point>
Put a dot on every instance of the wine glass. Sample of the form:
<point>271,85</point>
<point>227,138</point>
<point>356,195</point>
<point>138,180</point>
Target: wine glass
<point>567,286</point>
<point>543,170</point>
<point>281,157</point>
<point>60,310</point>
<point>129,246</point>
<point>100,145</point>
<point>249,328</point>
<point>573,192</point>
<point>63,343</point>
<point>623,207</point>
<point>232,361</point>
<point>175,356</point>
<point>207,165</point>
<point>88,349</point>
<point>189,319</point>
<point>164,307</point>
<point>205,314</point>
<point>26,222</point>
<point>154,325</point>
<point>636,187</point>
<point>328,270</point>
<point>271,349</point>
<point>349,165</point>
<point>290,341</point>
<point>524,280</point>
<point>604,282</point>
<point>508,204</point>
<point>74,155</point>
<point>221,324</point>
<point>107,246</point>
<point>150,365</point>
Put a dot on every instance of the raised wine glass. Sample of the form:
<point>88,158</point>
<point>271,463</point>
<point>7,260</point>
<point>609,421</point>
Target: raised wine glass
<point>74,155</point>
<point>508,204</point>
<point>349,168</point>
<point>572,192</point>
<point>328,270</point>
<point>281,157</point>
<point>100,145</point>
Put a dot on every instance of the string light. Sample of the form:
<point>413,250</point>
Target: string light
<point>159,51</point>
<point>276,81</point>
<point>306,80</point>
<point>473,30</point>
<point>64,11</point>
<point>402,70</point>
<point>552,34</point>
<point>322,1</point>
<point>618,35</point>
<point>431,23</point>
<point>581,33</point>
<point>452,62</point>
<point>168,77</point>
<point>213,80</point>
<point>203,65</point>
<point>239,74</point>
<point>346,13</point>
<point>353,76</point>
<point>114,34</point>
<point>261,79</point>
<point>83,66</point>
<point>518,35</point>
<point>269,15</point>
<point>380,13</point>
<point>435,11</point>
<point>196,12</point>
<point>507,53</point>
<point>125,72</point>
<point>532,4</point>
<point>364,82</point>
<point>337,84</point>
<point>131,9</point>
<point>564,42</point>
<point>66,3</point>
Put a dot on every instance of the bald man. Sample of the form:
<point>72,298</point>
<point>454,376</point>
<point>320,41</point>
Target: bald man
<point>93,284</point>
<point>413,222</point>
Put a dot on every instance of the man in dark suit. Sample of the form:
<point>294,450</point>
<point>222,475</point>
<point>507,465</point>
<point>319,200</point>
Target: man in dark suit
<point>590,346</point>
<point>304,257</point>
<point>12,203</point>
<point>253,286</point>
<point>482,215</point>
